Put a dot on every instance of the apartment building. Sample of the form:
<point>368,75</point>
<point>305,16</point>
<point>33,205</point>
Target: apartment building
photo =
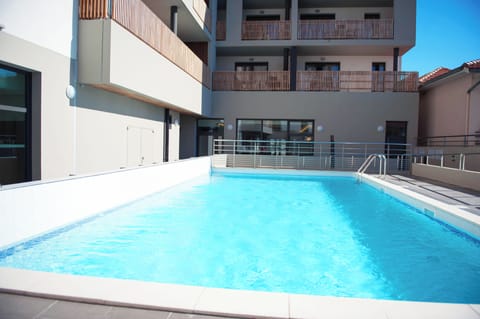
<point>94,85</point>
<point>315,70</point>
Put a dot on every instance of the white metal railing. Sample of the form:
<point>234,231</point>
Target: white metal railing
<point>342,156</point>
<point>460,161</point>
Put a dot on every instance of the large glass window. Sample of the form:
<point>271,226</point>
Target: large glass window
<point>14,106</point>
<point>276,134</point>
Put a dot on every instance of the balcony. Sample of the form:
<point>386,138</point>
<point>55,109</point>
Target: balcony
<point>203,12</point>
<point>251,81</point>
<point>319,81</point>
<point>345,29</point>
<point>138,19</point>
<point>357,81</point>
<point>266,30</point>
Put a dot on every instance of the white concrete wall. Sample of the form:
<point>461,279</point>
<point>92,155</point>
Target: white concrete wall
<point>51,77</point>
<point>49,24</point>
<point>112,131</point>
<point>466,179</point>
<point>89,133</point>
<point>106,58</point>
<point>32,210</point>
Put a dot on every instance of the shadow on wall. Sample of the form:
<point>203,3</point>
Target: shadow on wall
<point>100,100</point>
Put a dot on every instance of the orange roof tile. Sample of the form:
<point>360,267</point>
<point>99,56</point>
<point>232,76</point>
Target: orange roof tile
<point>433,74</point>
<point>475,64</point>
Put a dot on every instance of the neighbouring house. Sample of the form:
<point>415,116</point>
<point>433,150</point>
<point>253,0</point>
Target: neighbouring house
<point>95,85</point>
<point>450,105</point>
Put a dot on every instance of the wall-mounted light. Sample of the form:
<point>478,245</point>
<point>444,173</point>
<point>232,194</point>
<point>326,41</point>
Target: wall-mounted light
<point>320,128</point>
<point>380,128</point>
<point>70,92</point>
<point>262,12</point>
<point>229,127</point>
<point>317,10</point>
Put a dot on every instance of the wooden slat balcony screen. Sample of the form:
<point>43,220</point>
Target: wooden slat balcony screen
<point>266,30</point>
<point>345,29</point>
<point>358,81</point>
<point>221,31</point>
<point>93,9</point>
<point>203,12</point>
<point>137,18</point>
<point>251,81</point>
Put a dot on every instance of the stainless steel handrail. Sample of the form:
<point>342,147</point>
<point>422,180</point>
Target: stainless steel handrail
<point>277,153</point>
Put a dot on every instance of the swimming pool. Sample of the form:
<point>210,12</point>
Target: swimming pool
<point>318,235</point>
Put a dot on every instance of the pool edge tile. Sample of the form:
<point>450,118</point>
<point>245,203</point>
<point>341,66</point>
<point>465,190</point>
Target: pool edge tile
<point>103,291</point>
<point>420,310</point>
<point>243,303</point>
<point>316,307</point>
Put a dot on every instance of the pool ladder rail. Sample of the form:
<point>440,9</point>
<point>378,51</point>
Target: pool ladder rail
<point>382,172</point>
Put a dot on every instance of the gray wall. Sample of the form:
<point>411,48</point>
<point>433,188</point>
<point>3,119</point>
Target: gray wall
<point>350,116</point>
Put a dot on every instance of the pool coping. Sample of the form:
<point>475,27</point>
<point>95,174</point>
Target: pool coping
<point>217,301</point>
<point>242,303</point>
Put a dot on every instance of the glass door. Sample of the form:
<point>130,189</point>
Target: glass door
<point>396,133</point>
<point>15,158</point>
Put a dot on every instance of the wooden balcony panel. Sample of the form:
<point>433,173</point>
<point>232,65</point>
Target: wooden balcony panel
<point>266,30</point>
<point>93,9</point>
<point>221,31</point>
<point>203,12</point>
<point>251,81</point>
<point>357,81</point>
<point>345,29</point>
<point>136,17</point>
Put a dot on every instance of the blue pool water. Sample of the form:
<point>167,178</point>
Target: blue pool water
<point>312,235</point>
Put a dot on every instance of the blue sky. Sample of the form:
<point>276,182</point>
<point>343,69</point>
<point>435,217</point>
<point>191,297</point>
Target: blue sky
<point>448,34</point>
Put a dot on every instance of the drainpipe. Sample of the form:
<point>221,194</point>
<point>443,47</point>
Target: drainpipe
<point>174,19</point>
<point>293,69</point>
<point>286,53</point>
<point>395,59</point>
<point>467,108</point>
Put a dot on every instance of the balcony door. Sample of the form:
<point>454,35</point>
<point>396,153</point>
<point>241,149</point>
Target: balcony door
<point>251,66</point>
<point>326,80</point>
<point>263,17</point>
<point>395,132</point>
<point>208,131</point>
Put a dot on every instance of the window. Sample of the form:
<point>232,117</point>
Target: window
<point>378,66</point>
<point>251,66</point>
<point>15,101</point>
<point>317,16</point>
<point>372,16</point>
<point>322,66</point>
<point>276,133</point>
<point>263,17</point>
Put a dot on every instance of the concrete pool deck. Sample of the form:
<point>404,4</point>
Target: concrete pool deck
<point>30,294</point>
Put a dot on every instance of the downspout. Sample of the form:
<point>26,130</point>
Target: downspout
<point>467,109</point>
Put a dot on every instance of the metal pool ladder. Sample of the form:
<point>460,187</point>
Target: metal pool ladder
<point>382,167</point>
